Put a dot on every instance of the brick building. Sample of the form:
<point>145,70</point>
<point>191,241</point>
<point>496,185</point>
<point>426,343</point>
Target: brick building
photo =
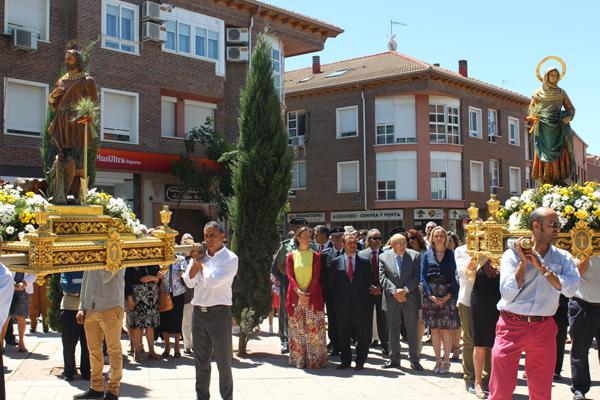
<point>593,168</point>
<point>387,140</point>
<point>160,71</point>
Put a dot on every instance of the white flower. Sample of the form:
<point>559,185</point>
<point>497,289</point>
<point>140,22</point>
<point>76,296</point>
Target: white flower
<point>21,236</point>
<point>578,203</point>
<point>19,189</point>
<point>513,221</point>
<point>29,228</point>
<point>10,230</point>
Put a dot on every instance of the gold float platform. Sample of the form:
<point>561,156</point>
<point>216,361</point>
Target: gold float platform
<point>77,238</point>
<point>490,238</point>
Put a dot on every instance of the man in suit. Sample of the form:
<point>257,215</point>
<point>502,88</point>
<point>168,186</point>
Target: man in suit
<point>350,284</point>
<point>327,255</point>
<point>372,252</point>
<point>399,276</point>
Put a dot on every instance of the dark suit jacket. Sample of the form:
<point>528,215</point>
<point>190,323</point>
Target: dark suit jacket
<point>327,270</point>
<point>409,277</point>
<point>351,297</point>
<point>366,253</point>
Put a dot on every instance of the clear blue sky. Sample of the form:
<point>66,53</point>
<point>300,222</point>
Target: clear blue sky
<point>502,40</point>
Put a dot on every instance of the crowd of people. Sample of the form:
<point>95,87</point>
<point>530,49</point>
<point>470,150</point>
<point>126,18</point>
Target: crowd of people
<point>338,293</point>
<point>359,292</point>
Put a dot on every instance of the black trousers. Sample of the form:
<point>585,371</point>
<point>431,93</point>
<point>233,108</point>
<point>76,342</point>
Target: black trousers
<point>212,330</point>
<point>584,321</point>
<point>72,332</point>
<point>351,322</point>
<point>332,325</point>
<point>382,329</point>
<point>562,323</point>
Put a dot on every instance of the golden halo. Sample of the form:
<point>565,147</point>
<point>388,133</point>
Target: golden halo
<point>562,64</point>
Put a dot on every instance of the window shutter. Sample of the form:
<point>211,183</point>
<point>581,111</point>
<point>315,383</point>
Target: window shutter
<point>25,108</point>
<point>29,14</point>
<point>384,113</point>
<point>167,116</point>
<point>118,111</point>
<point>348,121</point>
<point>195,115</point>
<point>348,174</point>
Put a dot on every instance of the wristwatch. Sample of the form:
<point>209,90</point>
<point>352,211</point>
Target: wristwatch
<point>548,272</point>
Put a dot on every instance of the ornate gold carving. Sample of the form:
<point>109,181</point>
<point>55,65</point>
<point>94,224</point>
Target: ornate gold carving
<point>581,240</point>
<point>79,257</point>
<point>143,253</point>
<point>79,228</point>
<point>40,253</point>
<point>119,226</point>
<point>114,250</point>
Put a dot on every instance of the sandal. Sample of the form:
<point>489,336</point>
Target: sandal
<point>479,392</point>
<point>177,354</point>
<point>166,353</point>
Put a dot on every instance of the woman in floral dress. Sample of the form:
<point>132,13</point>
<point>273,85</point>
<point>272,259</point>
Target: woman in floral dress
<point>304,303</point>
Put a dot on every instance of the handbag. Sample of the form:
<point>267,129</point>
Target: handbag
<point>165,301</point>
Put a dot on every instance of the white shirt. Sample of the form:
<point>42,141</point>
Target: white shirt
<point>29,279</point>
<point>346,258</point>
<point>589,284</point>
<point>7,288</point>
<point>212,286</point>
<point>466,277</point>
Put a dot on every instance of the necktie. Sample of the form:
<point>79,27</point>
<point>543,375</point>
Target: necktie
<point>375,268</point>
<point>350,269</point>
<point>399,264</point>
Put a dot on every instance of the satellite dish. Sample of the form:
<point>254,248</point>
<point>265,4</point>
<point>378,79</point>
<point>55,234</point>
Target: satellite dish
<point>392,44</point>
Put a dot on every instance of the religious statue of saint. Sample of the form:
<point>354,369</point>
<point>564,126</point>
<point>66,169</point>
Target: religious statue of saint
<point>550,113</point>
<point>66,131</point>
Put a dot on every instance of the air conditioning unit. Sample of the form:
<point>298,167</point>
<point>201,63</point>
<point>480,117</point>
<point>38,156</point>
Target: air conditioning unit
<point>153,32</point>
<point>24,39</point>
<point>151,11</point>
<point>237,53</point>
<point>237,35</point>
<point>296,141</point>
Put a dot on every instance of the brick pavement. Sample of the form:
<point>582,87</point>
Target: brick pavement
<point>263,375</point>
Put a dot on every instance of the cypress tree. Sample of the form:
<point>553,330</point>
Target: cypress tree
<point>261,180</point>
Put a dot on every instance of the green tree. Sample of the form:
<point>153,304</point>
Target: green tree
<point>261,180</point>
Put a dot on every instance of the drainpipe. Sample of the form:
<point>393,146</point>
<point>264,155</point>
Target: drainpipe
<point>364,123</point>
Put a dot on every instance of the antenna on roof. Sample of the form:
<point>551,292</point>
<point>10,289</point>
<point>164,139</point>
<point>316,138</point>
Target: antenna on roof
<point>392,44</point>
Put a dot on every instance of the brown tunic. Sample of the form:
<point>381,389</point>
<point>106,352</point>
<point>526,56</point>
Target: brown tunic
<point>67,133</point>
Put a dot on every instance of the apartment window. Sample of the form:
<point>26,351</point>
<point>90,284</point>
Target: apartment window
<point>299,175</point>
<point>444,124</point>
<point>475,122</point>
<point>446,175</point>
<point>168,105</point>
<point>439,186</point>
<point>395,120</point>
<point>528,184</point>
<point>120,30</point>
<point>207,43</point>
<point>494,173</point>
<point>347,122</point>
<point>119,115</point>
<point>476,172</point>
<point>296,124</point>
<point>24,107</point>
<point>513,131</point>
<point>347,177</point>
<point>528,145</point>
<point>492,125</point>
<point>386,190</point>
<point>395,170</point>
<point>196,114</point>
<point>277,63</point>
<point>514,180</point>
<point>31,15</point>
<point>385,134</point>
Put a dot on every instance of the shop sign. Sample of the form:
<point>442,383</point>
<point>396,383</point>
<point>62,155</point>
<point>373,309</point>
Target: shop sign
<point>458,214</point>
<point>173,193</point>
<point>429,213</point>
<point>310,217</point>
<point>370,215</point>
<point>139,161</point>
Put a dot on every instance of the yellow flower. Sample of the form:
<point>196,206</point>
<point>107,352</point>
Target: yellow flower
<point>10,199</point>
<point>29,195</point>
<point>546,186</point>
<point>569,210</point>
<point>581,214</point>
<point>597,213</point>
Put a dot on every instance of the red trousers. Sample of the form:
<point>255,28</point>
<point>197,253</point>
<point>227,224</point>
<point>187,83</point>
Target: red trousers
<point>538,341</point>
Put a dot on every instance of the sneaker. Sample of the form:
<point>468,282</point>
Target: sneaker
<point>90,394</point>
<point>470,387</point>
<point>577,395</point>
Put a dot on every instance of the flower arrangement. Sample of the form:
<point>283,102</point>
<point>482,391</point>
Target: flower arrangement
<point>116,208</point>
<point>572,203</point>
<point>17,211</point>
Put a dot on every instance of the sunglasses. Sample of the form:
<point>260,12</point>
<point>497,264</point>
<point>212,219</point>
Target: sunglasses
<point>554,225</point>
<point>375,238</point>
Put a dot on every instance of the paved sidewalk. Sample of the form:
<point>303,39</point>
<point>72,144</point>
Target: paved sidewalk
<point>263,375</point>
